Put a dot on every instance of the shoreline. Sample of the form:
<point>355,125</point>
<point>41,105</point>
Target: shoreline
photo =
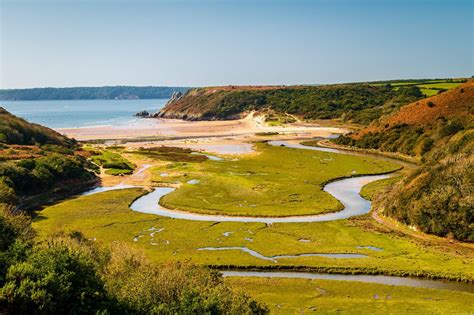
<point>159,129</point>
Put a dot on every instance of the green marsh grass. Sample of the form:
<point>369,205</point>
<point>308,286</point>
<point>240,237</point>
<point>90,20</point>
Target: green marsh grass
<point>113,163</point>
<point>106,218</point>
<point>278,181</point>
<point>301,296</point>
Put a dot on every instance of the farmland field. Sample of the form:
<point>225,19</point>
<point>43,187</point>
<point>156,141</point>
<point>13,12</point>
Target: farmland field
<point>428,87</point>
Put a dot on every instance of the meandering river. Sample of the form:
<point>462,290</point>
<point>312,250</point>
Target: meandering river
<point>345,190</point>
<point>387,280</point>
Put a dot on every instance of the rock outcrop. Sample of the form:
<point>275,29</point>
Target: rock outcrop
<point>143,114</point>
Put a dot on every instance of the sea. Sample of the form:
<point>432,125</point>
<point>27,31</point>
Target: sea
<point>82,113</point>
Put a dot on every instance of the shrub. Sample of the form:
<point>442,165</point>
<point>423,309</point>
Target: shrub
<point>16,237</point>
<point>58,277</point>
<point>69,274</point>
<point>172,288</point>
<point>437,198</point>
<point>451,128</point>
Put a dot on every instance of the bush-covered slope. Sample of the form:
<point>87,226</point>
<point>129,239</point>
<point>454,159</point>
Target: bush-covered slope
<point>14,130</point>
<point>438,197</point>
<point>36,160</point>
<point>419,126</point>
<point>359,103</point>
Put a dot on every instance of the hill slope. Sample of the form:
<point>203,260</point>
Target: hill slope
<point>359,103</point>
<point>35,160</point>
<point>14,130</point>
<point>419,126</point>
<point>436,198</point>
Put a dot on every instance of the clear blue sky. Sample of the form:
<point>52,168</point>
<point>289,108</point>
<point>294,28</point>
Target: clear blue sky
<point>203,42</point>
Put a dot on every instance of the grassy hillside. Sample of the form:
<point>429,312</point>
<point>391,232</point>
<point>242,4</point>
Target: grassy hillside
<point>437,197</point>
<point>359,103</point>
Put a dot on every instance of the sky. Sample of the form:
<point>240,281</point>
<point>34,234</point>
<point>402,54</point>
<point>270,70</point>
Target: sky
<point>210,42</point>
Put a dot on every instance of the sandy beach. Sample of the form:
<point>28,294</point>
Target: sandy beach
<point>173,129</point>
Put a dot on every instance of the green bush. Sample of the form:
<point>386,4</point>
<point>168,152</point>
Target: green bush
<point>56,278</point>
<point>16,237</point>
<point>114,163</point>
<point>33,176</point>
<point>69,274</point>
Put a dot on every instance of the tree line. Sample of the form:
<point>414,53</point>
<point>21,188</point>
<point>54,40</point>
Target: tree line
<point>90,93</point>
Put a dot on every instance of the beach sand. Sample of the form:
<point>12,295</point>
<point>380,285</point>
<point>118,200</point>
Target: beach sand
<point>173,129</point>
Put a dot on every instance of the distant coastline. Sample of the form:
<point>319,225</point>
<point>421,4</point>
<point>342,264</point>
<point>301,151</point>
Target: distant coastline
<point>90,93</point>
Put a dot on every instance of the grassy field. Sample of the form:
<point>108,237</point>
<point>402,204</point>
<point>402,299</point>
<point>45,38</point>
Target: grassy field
<point>301,296</point>
<point>113,162</point>
<point>278,181</point>
<point>440,86</point>
<point>427,87</point>
<point>107,218</point>
<point>429,92</point>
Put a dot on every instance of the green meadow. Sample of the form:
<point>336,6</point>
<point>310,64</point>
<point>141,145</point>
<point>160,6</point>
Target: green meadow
<point>277,181</point>
<point>301,296</point>
<point>428,87</point>
<point>107,218</point>
<point>113,162</point>
<point>440,86</point>
<point>429,92</point>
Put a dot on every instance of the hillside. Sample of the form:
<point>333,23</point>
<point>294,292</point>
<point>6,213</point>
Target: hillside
<point>15,130</point>
<point>358,103</point>
<point>419,126</point>
<point>35,161</point>
<point>90,93</point>
<point>437,197</point>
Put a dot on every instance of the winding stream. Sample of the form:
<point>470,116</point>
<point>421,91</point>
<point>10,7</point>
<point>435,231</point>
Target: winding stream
<point>345,190</point>
<point>387,280</point>
<point>275,258</point>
